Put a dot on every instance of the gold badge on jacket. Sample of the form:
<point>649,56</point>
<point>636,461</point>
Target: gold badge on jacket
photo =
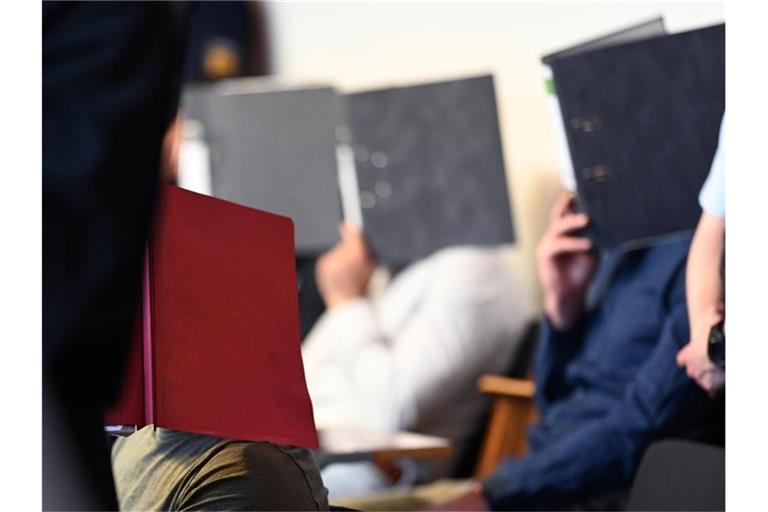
<point>221,60</point>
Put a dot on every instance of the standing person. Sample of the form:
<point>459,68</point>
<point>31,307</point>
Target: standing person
<point>110,89</point>
<point>704,357</point>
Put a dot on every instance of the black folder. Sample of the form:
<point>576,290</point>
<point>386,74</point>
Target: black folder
<point>274,148</point>
<point>429,168</point>
<point>427,163</point>
<point>642,122</point>
<point>637,32</point>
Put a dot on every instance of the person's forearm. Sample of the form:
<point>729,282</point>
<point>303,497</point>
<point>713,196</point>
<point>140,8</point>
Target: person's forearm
<point>704,286</point>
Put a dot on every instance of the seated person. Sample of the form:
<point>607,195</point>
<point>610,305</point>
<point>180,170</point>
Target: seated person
<point>606,379</point>
<point>160,469</point>
<point>705,288</point>
<point>409,358</point>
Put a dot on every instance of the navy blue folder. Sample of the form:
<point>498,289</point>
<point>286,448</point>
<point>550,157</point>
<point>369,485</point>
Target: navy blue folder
<point>642,122</point>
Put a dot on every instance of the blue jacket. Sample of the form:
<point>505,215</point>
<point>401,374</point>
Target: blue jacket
<point>605,388</point>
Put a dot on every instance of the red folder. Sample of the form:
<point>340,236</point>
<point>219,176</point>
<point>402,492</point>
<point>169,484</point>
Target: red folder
<point>217,350</point>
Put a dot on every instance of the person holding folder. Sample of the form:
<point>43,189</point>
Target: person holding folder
<point>163,469</point>
<point>409,357</point>
<point>607,384</point>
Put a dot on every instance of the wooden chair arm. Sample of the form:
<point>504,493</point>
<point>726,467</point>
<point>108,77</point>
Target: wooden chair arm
<point>513,410</point>
<point>504,386</point>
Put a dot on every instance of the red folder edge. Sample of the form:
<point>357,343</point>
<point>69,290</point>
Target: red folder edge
<point>147,345</point>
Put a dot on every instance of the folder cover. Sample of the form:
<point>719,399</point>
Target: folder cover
<point>636,32</point>
<point>642,122</point>
<point>219,350</point>
<point>274,149</point>
<point>645,30</point>
<point>429,167</point>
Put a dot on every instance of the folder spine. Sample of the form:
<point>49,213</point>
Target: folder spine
<point>147,338</point>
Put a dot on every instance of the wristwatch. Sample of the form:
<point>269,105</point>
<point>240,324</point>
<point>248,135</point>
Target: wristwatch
<point>716,345</point>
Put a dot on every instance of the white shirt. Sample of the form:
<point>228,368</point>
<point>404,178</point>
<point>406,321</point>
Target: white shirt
<point>410,360</point>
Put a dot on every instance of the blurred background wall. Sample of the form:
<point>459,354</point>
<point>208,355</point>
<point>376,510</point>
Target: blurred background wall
<point>369,44</point>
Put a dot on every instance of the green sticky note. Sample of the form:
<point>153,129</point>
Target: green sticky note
<point>549,85</point>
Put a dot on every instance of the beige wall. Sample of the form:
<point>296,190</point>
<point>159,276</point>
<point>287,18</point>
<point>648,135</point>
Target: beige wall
<point>368,44</point>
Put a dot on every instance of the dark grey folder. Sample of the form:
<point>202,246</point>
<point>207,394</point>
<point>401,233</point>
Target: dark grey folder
<point>275,149</point>
<point>429,168</point>
<point>642,122</point>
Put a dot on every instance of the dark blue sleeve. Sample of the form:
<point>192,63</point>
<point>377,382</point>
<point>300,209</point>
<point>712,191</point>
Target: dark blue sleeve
<point>601,454</point>
<point>554,351</point>
<point>110,88</point>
